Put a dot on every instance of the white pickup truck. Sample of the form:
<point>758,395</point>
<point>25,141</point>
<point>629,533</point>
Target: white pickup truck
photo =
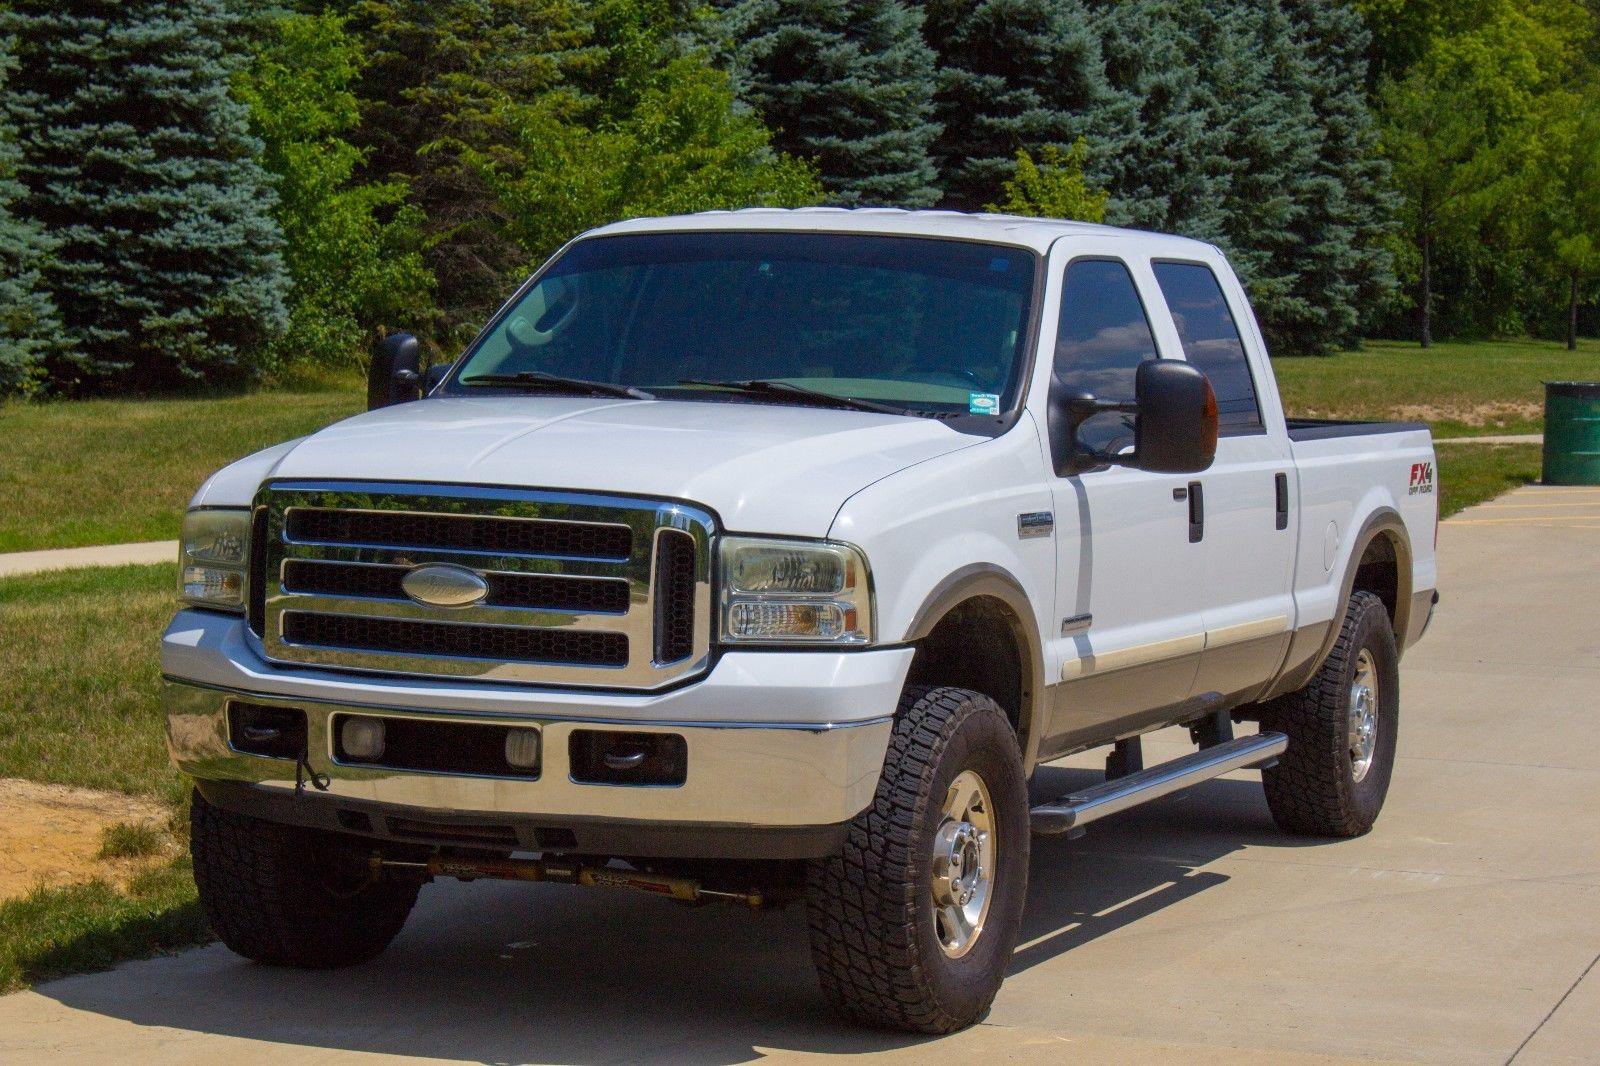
<point>763,556</point>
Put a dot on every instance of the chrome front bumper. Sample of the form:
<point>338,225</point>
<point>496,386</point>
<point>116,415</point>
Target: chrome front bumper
<point>783,762</point>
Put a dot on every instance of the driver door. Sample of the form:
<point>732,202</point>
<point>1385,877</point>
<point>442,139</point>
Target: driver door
<point>1130,580</point>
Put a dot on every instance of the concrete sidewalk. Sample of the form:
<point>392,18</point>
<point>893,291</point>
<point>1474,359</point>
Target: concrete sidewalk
<point>1512,438</point>
<point>1464,929</point>
<point>152,551</point>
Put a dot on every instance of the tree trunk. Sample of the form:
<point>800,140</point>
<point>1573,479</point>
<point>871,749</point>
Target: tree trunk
<point>1425,305</point>
<point>1572,311</point>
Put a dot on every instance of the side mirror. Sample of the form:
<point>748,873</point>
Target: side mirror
<point>1174,426</point>
<point>395,373</point>
<point>436,373</point>
<point>1175,431</point>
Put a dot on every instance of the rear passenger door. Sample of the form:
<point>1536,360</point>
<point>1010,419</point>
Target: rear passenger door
<point>1249,526</point>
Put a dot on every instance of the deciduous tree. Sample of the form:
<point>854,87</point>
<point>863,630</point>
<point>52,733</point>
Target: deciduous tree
<point>1570,205</point>
<point>353,248</point>
<point>1054,187</point>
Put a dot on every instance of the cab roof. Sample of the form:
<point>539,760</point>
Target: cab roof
<point>1034,233</point>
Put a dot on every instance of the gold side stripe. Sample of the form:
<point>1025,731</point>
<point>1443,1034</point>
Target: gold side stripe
<point>1172,648</point>
<point>1138,655</point>
<point>1238,634</point>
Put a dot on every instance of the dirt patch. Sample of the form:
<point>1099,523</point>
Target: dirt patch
<point>1466,414</point>
<point>1477,414</point>
<point>50,835</point>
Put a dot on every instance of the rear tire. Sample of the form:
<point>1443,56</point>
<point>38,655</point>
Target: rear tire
<point>1334,776</point>
<point>289,896</point>
<point>903,934</point>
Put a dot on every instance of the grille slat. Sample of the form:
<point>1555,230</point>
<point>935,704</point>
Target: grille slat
<point>478,533</point>
<point>539,591</point>
<point>674,597</point>
<point>256,580</point>
<point>462,640</point>
<point>583,590</point>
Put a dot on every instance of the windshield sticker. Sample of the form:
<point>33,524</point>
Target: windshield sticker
<point>983,403</point>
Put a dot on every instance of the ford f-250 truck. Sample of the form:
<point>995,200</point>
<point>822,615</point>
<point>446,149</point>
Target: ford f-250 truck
<point>763,556</point>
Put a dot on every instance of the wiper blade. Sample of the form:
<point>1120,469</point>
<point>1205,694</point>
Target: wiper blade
<point>555,383</point>
<point>763,387</point>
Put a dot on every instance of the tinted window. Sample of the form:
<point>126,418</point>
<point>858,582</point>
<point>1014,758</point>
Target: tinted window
<point>1103,337</point>
<point>931,325</point>
<point>1211,340</point>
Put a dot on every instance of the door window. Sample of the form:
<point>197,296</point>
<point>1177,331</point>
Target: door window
<point>1211,341</point>
<point>1103,336</point>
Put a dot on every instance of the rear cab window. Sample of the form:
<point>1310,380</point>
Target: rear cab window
<point>1211,341</point>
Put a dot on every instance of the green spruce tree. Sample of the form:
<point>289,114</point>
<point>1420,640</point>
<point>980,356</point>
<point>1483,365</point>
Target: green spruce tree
<point>136,158</point>
<point>29,327</point>
<point>1168,172</point>
<point>846,83</point>
<point>1351,208</point>
<point>1258,106</point>
<point>1016,74</point>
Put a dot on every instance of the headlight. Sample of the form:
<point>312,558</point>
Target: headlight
<point>794,592</point>
<point>214,553</point>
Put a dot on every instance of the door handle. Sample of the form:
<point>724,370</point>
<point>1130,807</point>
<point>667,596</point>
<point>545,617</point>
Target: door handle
<point>1280,484</point>
<point>1197,513</point>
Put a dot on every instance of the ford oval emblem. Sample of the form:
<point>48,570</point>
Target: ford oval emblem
<point>444,586</point>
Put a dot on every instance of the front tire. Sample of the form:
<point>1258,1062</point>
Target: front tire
<point>1342,730</point>
<point>913,924</point>
<point>289,896</point>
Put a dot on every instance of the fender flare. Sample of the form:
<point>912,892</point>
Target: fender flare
<point>1386,522</point>
<point>988,581</point>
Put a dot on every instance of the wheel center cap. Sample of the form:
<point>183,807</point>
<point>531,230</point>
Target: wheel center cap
<point>958,863</point>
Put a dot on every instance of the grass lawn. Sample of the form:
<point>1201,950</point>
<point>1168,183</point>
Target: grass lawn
<point>1484,387</point>
<point>78,660</point>
<point>82,706</point>
<point>113,471</point>
<point>1472,473</point>
<point>57,931</point>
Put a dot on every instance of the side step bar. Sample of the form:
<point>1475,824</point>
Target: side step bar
<point>1078,809</point>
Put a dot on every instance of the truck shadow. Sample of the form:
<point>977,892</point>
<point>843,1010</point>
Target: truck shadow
<point>507,973</point>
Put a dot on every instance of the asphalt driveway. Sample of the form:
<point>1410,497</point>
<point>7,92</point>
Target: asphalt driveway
<point>1464,929</point>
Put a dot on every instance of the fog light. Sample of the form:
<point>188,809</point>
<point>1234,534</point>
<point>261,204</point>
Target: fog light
<point>362,739</point>
<point>522,748</point>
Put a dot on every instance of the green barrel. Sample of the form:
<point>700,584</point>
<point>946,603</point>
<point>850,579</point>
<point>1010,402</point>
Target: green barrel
<point>1572,433</point>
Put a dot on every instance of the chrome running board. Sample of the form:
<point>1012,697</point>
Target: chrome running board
<point>1077,809</point>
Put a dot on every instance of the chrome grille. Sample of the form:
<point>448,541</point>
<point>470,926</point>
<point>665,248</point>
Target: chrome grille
<point>581,590</point>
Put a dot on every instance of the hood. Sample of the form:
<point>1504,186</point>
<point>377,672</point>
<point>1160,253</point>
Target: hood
<point>763,468</point>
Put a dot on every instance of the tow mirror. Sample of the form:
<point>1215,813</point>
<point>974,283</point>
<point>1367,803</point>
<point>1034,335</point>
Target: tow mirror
<point>1174,425</point>
<point>436,373</point>
<point>395,373</point>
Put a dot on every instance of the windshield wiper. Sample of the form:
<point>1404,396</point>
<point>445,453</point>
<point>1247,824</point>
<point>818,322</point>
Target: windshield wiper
<point>763,387</point>
<point>555,383</point>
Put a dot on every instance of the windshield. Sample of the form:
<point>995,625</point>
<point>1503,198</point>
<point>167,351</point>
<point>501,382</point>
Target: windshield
<point>930,326</point>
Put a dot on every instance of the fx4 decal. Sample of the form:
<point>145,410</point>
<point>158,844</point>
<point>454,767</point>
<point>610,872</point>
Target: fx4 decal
<point>1421,478</point>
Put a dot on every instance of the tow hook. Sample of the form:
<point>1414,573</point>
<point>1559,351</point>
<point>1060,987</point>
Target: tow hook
<point>564,873</point>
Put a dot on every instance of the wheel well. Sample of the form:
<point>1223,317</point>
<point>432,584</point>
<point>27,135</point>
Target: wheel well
<point>977,645</point>
<point>1378,572</point>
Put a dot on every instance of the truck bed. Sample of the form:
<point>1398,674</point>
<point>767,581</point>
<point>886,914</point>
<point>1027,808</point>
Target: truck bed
<point>1304,429</point>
